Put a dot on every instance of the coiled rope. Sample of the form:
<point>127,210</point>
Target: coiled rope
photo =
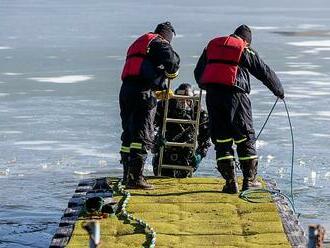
<point>129,217</point>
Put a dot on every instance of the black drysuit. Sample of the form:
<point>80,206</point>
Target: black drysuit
<point>137,103</point>
<point>182,133</point>
<point>229,107</point>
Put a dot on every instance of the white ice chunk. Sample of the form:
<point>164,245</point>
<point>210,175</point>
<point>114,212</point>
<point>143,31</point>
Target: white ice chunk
<point>263,27</point>
<point>63,79</point>
<point>12,73</point>
<point>83,172</point>
<point>312,43</point>
<point>270,158</point>
<point>5,47</point>
<point>4,172</point>
<point>103,162</point>
<point>36,142</point>
<point>302,73</point>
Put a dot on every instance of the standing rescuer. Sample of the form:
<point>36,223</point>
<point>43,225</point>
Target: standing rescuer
<point>150,60</point>
<point>223,71</point>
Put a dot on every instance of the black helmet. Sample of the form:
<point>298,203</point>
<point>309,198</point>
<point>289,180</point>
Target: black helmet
<point>244,32</point>
<point>184,89</point>
<point>166,30</point>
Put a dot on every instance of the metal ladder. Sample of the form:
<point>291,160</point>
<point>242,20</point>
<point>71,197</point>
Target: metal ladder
<point>195,123</point>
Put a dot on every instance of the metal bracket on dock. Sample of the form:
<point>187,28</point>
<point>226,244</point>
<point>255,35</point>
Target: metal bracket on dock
<point>316,235</point>
<point>86,188</point>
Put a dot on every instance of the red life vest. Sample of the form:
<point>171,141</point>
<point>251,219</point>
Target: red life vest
<point>136,54</point>
<point>223,56</point>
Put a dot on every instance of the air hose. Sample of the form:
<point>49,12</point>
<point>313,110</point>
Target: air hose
<point>246,195</point>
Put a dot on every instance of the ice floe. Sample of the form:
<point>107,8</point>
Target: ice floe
<point>10,132</point>
<point>319,93</point>
<point>63,79</point>
<point>317,50</point>
<point>260,144</point>
<point>318,83</point>
<point>86,151</point>
<point>307,93</point>
<point>12,73</point>
<point>44,166</point>
<point>292,57</point>
<point>311,43</point>
<point>38,148</point>
<point>255,91</point>
<point>310,26</point>
<point>321,135</point>
<point>23,117</point>
<point>36,142</point>
<point>298,96</point>
<point>323,113</point>
<point>311,179</point>
<point>302,65</point>
<point>327,175</point>
<point>83,172</point>
<point>263,27</point>
<point>292,114</point>
<point>5,48</point>
<point>301,73</point>
<point>103,162</point>
<point>270,158</point>
<point>4,172</point>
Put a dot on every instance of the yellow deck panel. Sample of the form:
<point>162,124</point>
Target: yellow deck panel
<point>191,212</point>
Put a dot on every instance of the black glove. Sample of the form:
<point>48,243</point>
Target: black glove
<point>280,94</point>
<point>161,141</point>
<point>196,161</point>
<point>201,151</point>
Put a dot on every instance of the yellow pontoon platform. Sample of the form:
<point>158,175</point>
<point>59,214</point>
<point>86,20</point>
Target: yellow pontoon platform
<point>189,212</point>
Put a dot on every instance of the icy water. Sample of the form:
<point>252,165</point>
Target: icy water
<point>59,83</point>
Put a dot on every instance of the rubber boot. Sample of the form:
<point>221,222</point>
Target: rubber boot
<point>227,171</point>
<point>125,162</point>
<point>135,178</point>
<point>249,169</point>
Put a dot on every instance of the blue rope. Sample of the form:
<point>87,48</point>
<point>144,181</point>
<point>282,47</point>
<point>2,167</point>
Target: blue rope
<point>263,126</point>
<point>245,194</point>
<point>292,151</point>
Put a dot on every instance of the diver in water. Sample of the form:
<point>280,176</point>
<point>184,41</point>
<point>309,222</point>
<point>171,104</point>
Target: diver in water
<point>176,132</point>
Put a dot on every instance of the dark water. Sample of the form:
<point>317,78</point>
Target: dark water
<point>59,83</point>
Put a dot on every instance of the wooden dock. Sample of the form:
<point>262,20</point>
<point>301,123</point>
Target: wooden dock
<point>190,212</point>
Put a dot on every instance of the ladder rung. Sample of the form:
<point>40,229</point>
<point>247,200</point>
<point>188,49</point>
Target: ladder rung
<point>177,167</point>
<point>182,121</point>
<point>179,144</point>
<point>185,97</point>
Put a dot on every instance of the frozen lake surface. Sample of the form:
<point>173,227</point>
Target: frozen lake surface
<point>59,83</point>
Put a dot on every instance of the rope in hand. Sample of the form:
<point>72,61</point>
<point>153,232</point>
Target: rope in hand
<point>246,194</point>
